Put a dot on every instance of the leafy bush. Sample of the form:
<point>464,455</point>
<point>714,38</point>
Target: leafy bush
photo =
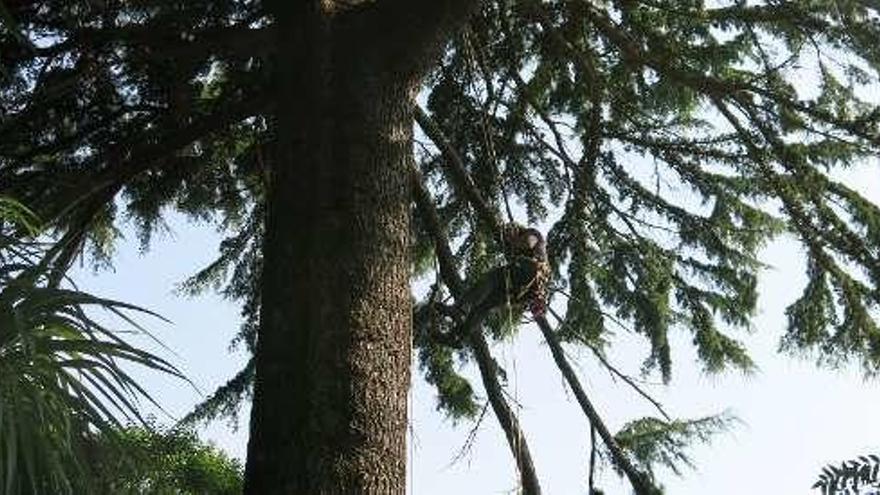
<point>164,462</point>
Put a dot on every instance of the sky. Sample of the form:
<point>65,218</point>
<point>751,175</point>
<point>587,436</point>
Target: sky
<point>794,417</point>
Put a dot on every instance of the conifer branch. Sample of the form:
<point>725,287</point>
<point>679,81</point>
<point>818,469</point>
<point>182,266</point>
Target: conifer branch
<point>457,171</point>
<point>639,481</point>
<point>162,44</point>
<point>475,340</point>
<point>616,372</point>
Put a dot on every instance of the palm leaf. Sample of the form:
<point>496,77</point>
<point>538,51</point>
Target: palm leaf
<point>63,375</point>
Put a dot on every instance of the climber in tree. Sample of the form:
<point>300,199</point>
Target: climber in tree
<point>523,279</point>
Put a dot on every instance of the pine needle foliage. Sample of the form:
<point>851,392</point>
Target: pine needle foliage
<point>655,442</point>
<point>853,476</point>
<point>661,143</point>
<point>442,365</point>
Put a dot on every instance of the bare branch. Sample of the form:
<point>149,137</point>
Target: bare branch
<point>639,481</point>
<point>591,483</point>
<point>619,374</point>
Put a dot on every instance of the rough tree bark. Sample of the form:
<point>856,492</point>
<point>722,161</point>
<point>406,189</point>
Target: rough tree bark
<point>333,351</point>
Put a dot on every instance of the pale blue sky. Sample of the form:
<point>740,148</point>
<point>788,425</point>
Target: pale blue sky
<point>796,417</point>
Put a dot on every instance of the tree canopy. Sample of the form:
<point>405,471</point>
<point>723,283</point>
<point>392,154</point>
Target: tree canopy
<point>660,143</point>
<point>163,461</point>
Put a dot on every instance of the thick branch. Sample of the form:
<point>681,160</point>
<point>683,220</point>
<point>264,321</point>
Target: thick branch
<point>445,258</point>
<point>506,417</point>
<point>640,482</point>
<point>458,171</point>
<point>475,340</point>
<point>591,490</point>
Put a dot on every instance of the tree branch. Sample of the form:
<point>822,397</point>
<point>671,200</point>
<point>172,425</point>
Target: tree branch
<point>475,340</point>
<point>591,485</point>
<point>639,481</point>
<point>166,43</point>
<point>140,153</point>
<point>457,171</point>
<point>619,374</point>
<point>707,84</point>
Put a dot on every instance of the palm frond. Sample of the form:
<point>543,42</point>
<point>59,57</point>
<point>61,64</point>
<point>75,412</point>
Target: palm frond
<point>64,375</point>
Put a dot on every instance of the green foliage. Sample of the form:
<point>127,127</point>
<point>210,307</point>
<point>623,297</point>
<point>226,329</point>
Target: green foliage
<point>17,216</point>
<point>62,373</point>
<point>225,402</point>
<point>654,442</point>
<point>146,461</point>
<point>688,123</point>
<point>662,143</point>
<point>455,396</point>
<point>851,477</point>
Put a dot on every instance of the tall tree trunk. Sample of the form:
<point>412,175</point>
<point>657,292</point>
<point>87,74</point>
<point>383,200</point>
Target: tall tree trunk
<point>333,351</point>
